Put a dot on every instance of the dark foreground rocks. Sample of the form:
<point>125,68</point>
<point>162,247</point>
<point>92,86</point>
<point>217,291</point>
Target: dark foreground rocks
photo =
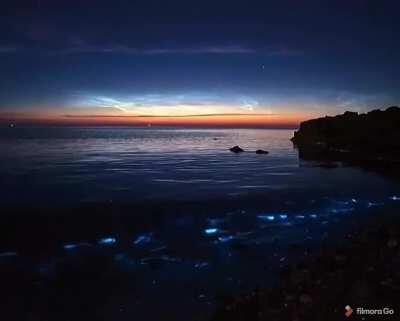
<point>261,152</point>
<point>236,149</point>
<point>363,274</point>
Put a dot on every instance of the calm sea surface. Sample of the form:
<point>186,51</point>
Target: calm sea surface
<point>134,164</point>
<point>254,207</point>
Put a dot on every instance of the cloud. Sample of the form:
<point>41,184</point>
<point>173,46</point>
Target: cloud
<point>248,104</point>
<point>61,38</point>
<point>78,46</point>
<point>179,50</point>
<point>92,115</point>
<point>152,51</point>
<point>361,102</point>
<point>192,103</point>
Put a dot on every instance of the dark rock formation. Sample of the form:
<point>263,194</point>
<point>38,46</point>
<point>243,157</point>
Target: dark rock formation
<point>236,149</point>
<point>371,140</point>
<point>371,133</point>
<point>261,151</point>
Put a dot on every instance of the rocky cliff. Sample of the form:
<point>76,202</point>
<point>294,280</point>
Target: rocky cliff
<point>371,140</point>
<point>376,132</point>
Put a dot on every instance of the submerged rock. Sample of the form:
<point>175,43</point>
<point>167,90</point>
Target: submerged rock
<point>236,149</point>
<point>261,151</point>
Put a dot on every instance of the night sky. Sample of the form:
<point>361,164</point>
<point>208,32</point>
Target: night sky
<point>281,60</point>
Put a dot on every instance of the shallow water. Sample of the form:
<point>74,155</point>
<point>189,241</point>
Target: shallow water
<point>258,212</point>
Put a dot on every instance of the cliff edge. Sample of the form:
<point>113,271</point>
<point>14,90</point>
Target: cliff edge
<point>374,133</point>
<point>370,140</point>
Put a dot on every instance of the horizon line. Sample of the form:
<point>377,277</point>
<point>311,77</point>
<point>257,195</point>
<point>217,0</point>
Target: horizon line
<point>169,116</point>
<point>194,126</point>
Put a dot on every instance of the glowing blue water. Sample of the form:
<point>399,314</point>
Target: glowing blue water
<point>254,207</point>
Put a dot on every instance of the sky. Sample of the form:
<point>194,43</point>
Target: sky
<point>219,63</point>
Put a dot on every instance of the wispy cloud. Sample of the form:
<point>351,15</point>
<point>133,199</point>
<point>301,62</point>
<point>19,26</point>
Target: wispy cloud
<point>172,104</point>
<point>184,50</point>
<point>166,116</point>
<point>361,102</point>
<point>82,47</point>
<point>248,104</point>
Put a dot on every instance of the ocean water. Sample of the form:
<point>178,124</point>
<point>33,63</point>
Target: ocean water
<point>122,164</point>
<point>245,215</point>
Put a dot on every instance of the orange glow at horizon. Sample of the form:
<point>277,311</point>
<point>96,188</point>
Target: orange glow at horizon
<point>239,120</point>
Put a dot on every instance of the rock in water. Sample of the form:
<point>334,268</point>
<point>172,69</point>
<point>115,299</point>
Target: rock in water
<point>261,151</point>
<point>236,149</point>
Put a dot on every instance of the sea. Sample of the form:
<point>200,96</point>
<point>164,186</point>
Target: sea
<point>230,223</point>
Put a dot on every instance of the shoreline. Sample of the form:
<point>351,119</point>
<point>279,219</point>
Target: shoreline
<point>101,260</point>
<point>361,274</point>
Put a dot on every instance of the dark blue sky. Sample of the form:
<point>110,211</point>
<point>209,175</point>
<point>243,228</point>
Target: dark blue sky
<point>194,57</point>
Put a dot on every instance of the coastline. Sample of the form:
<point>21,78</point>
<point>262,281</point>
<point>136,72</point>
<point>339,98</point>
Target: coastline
<point>362,274</point>
<point>370,141</point>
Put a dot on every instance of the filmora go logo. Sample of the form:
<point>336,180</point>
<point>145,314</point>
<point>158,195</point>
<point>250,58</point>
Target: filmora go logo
<point>348,311</point>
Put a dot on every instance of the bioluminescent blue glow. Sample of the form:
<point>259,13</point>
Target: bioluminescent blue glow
<point>283,216</point>
<point>395,198</point>
<point>144,238</point>
<point>107,241</point>
<point>70,246</point>
<point>266,217</point>
<point>225,239</point>
<point>300,216</point>
<point>313,215</point>
<point>210,231</point>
